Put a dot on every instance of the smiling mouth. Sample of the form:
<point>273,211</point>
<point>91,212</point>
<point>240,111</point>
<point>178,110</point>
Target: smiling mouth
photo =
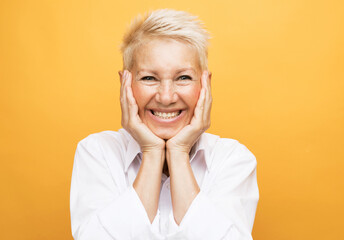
<point>165,115</point>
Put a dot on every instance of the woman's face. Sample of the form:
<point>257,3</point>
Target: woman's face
<point>166,84</point>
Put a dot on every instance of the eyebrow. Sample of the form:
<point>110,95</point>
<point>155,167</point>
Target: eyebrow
<point>177,72</point>
<point>147,71</point>
<point>186,69</point>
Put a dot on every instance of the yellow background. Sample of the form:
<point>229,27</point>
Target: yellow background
<point>278,87</point>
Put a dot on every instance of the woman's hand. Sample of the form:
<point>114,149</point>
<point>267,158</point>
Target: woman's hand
<point>200,122</point>
<point>184,187</point>
<point>132,122</point>
<point>148,179</point>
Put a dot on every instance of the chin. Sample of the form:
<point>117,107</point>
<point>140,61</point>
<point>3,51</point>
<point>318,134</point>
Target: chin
<point>165,134</point>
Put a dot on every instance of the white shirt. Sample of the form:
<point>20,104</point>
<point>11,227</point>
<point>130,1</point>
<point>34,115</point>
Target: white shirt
<point>104,204</point>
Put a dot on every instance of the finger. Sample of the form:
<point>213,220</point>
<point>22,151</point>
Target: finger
<point>129,91</point>
<point>208,100</point>
<point>121,79</point>
<point>133,108</point>
<point>206,81</point>
<point>205,85</point>
<point>124,101</point>
<point>128,83</point>
<point>200,106</point>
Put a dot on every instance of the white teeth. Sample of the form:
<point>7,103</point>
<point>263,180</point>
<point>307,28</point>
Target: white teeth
<point>166,115</point>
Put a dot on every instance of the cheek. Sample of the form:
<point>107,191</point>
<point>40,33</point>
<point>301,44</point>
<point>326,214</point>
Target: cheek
<point>142,95</point>
<point>191,97</point>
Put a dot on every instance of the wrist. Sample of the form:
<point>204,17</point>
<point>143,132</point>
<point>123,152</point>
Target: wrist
<point>176,149</point>
<point>176,155</point>
<point>157,148</point>
<point>154,155</point>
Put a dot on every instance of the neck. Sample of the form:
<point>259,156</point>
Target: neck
<point>165,169</point>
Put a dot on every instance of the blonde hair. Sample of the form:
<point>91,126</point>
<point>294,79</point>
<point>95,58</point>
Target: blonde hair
<point>167,23</point>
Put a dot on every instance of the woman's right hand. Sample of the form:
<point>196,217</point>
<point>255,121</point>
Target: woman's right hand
<point>131,120</point>
<point>148,179</point>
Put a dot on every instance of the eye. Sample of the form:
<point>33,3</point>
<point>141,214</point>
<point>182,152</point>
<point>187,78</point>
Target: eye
<point>148,78</point>
<point>185,77</point>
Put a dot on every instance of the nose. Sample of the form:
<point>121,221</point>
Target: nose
<point>166,94</point>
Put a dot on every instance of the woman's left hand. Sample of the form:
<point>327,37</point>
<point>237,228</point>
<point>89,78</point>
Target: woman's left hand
<point>186,138</point>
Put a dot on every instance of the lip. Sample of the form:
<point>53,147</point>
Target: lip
<point>166,110</point>
<point>168,120</point>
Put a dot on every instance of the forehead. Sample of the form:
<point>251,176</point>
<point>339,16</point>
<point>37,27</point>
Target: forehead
<point>165,54</point>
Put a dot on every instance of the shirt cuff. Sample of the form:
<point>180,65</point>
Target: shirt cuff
<point>133,222</point>
<point>202,221</point>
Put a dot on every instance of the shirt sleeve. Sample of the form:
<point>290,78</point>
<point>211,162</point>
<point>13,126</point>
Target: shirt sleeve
<point>99,209</point>
<point>225,207</point>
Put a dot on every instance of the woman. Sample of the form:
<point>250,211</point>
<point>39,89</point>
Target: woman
<point>162,177</point>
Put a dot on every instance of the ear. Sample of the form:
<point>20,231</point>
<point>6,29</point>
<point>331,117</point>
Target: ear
<point>209,76</point>
<point>120,73</point>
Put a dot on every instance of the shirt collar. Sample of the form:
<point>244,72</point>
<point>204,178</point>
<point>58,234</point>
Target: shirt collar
<point>133,149</point>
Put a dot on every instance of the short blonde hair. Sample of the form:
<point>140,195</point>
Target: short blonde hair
<point>167,23</point>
